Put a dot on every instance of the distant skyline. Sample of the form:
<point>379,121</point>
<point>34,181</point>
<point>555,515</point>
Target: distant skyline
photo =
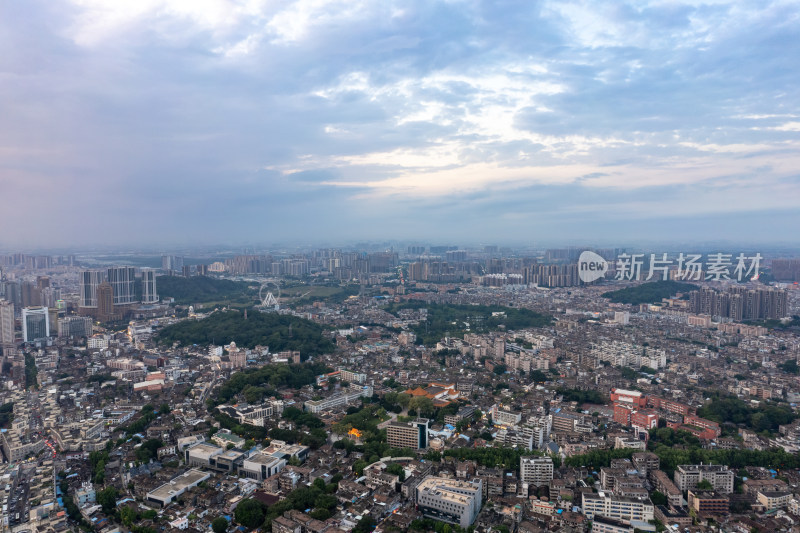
<point>179,123</point>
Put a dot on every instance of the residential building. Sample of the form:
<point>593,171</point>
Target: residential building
<point>149,292</point>
<point>645,462</point>
<point>122,281</point>
<point>708,502</point>
<point>412,435</point>
<point>89,281</point>
<point>772,500</point>
<point>353,393</point>
<point>688,476</point>
<point>75,326</point>
<point>603,524</point>
<point>449,500</point>
<point>6,323</point>
<point>503,417</point>
<point>663,484</point>
<point>617,507</point>
<point>536,470</point>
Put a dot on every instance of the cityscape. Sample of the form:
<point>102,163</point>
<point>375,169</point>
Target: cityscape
<point>415,388</point>
<point>381,266</point>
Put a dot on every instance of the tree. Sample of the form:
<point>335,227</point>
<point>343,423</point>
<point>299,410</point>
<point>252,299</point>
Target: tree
<point>325,501</point>
<point>396,470</point>
<point>658,498</point>
<point>499,369</point>
<point>219,524</point>
<point>320,514</point>
<point>403,400</point>
<point>164,409</point>
<point>107,498</point>
<point>249,513</point>
<point>790,367</point>
<point>365,525</point>
<point>705,485</point>
<point>423,405</point>
<point>358,467</point>
<point>538,376</point>
<point>127,515</point>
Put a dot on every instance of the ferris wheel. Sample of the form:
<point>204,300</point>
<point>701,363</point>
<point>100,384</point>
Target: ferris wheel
<point>267,295</point>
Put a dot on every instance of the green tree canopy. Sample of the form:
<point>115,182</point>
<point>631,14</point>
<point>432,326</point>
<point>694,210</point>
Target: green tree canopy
<point>249,513</point>
<point>219,524</point>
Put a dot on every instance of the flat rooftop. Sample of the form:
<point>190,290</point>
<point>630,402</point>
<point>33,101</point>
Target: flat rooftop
<point>445,489</point>
<point>179,483</point>
<point>262,459</point>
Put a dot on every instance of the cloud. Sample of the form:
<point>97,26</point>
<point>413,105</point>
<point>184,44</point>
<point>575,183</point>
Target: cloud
<point>356,118</point>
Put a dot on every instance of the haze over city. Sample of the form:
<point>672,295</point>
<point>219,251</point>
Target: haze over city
<point>442,266</point>
<point>160,122</point>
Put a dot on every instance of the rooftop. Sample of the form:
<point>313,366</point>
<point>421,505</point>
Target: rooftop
<point>177,484</point>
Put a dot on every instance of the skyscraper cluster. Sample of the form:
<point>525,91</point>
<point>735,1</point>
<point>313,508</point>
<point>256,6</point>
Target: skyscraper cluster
<point>740,303</point>
<point>109,294</point>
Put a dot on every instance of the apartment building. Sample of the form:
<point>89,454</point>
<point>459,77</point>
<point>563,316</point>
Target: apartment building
<point>412,435</point>
<point>616,507</point>
<point>688,476</point>
<point>708,502</point>
<point>536,470</point>
<point>339,399</point>
<point>449,500</point>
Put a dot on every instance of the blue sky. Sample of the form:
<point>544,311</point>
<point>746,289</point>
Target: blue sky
<point>191,121</point>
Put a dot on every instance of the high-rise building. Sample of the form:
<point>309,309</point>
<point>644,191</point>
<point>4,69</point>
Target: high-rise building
<point>740,303</point>
<point>149,293</point>
<point>122,280</point>
<point>35,323</point>
<point>49,296</point>
<point>31,294</point>
<point>89,281</point>
<point>12,292</point>
<point>786,269</point>
<point>6,323</point>
<point>171,263</point>
<point>105,302</point>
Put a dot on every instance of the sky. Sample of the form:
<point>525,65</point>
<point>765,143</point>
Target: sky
<point>177,122</point>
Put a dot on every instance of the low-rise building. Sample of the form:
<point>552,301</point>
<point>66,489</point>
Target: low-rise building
<point>772,500</point>
<point>261,466</point>
<point>169,492</point>
<point>449,500</point>
<point>617,507</point>
<point>536,470</point>
<point>688,476</point>
<point>708,502</point>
